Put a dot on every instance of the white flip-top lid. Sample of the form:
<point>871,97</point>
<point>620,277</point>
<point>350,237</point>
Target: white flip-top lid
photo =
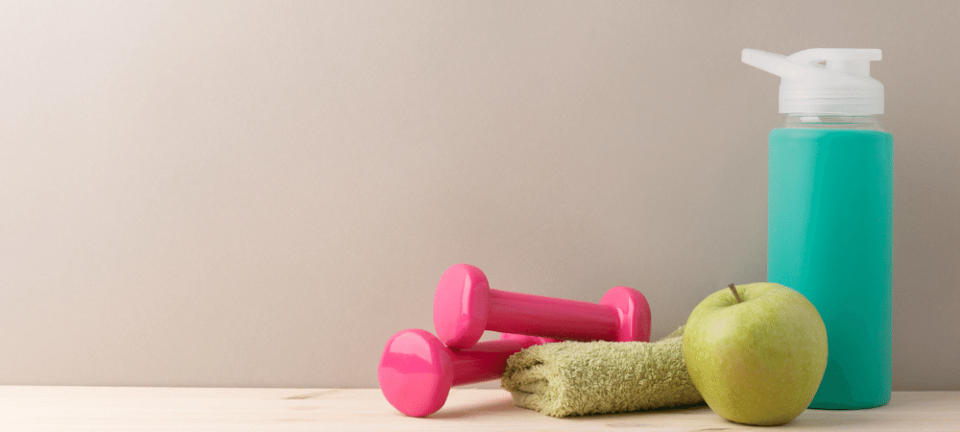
<point>841,85</point>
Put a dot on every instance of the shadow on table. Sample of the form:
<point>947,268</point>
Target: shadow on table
<point>809,419</point>
<point>827,420</point>
<point>840,419</point>
<point>642,418</point>
<point>486,408</point>
<point>506,405</point>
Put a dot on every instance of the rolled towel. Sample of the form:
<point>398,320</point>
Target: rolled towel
<point>578,378</point>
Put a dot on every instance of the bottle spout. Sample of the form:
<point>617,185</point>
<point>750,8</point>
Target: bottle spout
<point>776,64</point>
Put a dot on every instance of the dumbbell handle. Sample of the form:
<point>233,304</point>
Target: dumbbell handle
<point>482,362</point>
<point>551,317</point>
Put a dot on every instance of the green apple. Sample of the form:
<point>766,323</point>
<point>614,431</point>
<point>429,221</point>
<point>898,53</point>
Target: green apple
<point>756,352</point>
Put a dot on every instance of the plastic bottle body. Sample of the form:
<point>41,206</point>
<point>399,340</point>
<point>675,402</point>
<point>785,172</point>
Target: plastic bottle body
<point>830,229</point>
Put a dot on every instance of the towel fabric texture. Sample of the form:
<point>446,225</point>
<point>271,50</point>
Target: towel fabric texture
<point>578,378</point>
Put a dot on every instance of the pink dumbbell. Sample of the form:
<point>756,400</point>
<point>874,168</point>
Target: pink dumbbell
<point>416,370</point>
<point>465,305</point>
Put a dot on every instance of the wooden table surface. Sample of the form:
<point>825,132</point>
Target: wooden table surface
<point>219,409</point>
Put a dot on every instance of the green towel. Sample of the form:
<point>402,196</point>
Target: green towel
<point>578,378</point>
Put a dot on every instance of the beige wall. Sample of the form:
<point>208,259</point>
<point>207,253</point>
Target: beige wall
<point>261,193</point>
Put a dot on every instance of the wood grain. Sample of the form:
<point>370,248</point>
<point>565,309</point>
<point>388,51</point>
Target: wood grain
<point>221,409</point>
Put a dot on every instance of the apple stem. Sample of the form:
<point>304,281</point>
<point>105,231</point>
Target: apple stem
<point>735,294</point>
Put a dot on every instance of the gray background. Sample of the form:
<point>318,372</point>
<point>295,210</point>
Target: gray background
<point>261,193</point>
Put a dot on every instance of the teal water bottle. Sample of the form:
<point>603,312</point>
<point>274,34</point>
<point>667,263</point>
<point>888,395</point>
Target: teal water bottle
<point>830,213</point>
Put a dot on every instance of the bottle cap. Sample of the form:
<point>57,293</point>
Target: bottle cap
<point>824,81</point>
